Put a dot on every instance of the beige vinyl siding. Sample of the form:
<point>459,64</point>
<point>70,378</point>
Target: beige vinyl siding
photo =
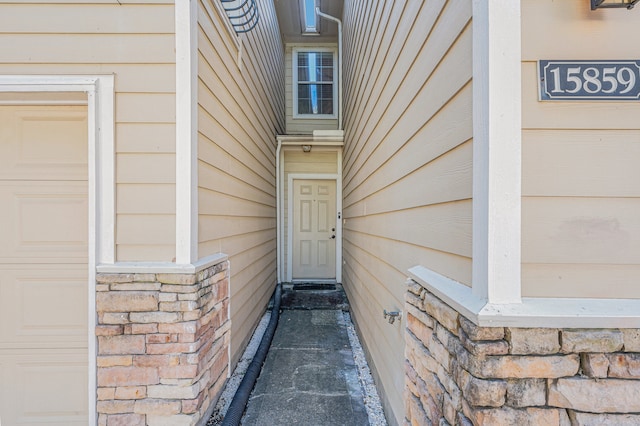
<point>104,37</point>
<point>302,126</point>
<point>580,174</point>
<point>240,112</point>
<point>319,160</point>
<point>407,163</point>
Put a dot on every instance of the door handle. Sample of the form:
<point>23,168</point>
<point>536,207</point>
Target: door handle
<point>333,237</point>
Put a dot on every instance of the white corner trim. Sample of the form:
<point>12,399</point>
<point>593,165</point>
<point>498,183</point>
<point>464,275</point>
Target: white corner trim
<point>497,153</point>
<point>101,183</point>
<point>162,267</point>
<point>531,312</point>
<point>186,15</point>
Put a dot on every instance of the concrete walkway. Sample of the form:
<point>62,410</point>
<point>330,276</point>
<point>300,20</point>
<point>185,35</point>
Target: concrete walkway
<point>309,376</point>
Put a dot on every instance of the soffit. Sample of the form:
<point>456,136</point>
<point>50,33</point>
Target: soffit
<point>290,20</point>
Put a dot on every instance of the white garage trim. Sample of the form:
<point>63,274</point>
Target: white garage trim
<point>101,194</point>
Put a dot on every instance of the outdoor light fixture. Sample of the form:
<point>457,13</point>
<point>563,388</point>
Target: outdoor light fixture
<point>599,4</point>
<point>306,148</point>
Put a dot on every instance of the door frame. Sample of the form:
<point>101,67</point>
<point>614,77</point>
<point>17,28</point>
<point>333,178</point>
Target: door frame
<point>314,176</point>
<point>99,90</point>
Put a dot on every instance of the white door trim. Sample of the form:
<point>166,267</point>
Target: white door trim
<point>314,176</point>
<point>101,189</point>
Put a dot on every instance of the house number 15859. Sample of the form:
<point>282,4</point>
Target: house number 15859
<point>589,80</point>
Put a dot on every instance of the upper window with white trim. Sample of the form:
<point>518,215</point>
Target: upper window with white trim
<point>314,81</point>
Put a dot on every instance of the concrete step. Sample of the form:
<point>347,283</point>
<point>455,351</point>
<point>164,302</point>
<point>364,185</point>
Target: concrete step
<point>313,296</point>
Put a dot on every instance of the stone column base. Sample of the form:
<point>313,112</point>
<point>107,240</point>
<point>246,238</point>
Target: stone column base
<point>163,344</point>
<point>457,373</point>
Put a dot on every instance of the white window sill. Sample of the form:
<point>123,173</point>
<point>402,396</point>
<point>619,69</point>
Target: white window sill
<point>314,117</point>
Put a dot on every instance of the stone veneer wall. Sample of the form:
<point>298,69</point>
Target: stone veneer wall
<point>162,346</point>
<point>457,373</point>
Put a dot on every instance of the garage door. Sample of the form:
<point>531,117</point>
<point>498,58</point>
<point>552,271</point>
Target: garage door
<point>43,265</point>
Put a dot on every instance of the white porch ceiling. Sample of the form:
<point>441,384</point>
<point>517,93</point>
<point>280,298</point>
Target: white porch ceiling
<point>290,20</point>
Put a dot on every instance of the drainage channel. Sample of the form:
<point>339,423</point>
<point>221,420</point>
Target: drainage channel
<point>239,401</point>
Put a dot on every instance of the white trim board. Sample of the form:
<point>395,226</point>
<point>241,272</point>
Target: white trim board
<point>186,131</point>
<point>532,311</point>
<point>101,182</point>
<point>162,267</point>
<point>497,137</point>
<point>315,176</point>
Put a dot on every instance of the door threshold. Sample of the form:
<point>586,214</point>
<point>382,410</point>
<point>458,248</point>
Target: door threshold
<point>313,281</point>
<point>313,287</point>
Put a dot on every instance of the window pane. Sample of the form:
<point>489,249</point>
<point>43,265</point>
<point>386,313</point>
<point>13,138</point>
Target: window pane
<point>303,59</point>
<point>315,83</point>
<point>304,91</point>
<point>326,59</point>
<point>327,107</point>
<point>326,99</point>
<point>304,99</point>
<point>313,66</point>
<point>326,91</point>
<point>327,74</point>
<point>303,74</point>
<point>304,106</point>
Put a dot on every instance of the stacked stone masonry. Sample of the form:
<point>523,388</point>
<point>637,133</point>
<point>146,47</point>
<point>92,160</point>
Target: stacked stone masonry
<point>457,373</point>
<point>162,346</point>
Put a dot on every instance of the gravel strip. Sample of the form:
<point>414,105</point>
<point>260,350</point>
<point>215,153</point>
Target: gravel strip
<point>234,381</point>
<point>369,391</point>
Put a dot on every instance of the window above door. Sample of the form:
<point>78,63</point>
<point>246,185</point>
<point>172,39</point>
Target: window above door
<point>314,83</point>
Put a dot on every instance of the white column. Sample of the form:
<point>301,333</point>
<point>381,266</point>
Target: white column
<point>104,129</point>
<point>497,131</point>
<point>186,131</point>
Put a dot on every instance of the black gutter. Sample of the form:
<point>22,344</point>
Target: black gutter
<point>240,399</point>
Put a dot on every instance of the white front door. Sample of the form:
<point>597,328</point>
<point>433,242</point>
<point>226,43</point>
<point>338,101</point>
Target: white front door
<point>314,229</point>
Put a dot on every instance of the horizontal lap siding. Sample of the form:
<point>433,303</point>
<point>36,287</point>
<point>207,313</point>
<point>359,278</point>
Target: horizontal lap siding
<point>407,163</point>
<point>103,37</point>
<point>580,174</point>
<point>240,112</point>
